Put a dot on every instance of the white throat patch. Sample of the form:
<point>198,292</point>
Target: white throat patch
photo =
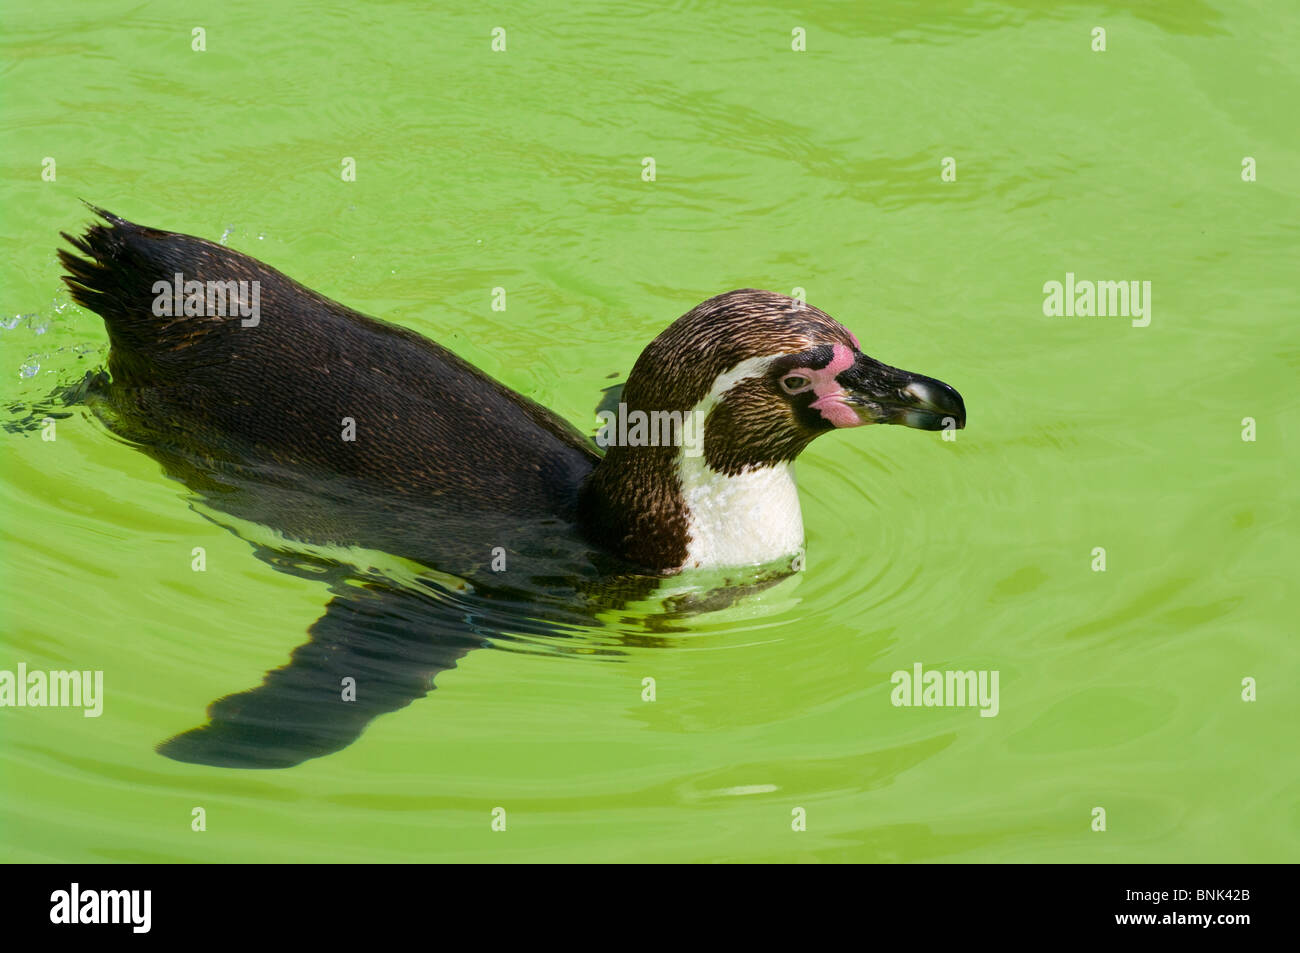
<point>752,518</point>
<point>749,519</point>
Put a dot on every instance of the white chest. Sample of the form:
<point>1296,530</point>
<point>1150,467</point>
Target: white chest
<point>749,519</point>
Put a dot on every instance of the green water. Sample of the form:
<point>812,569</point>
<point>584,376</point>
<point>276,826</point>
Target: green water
<point>778,169</point>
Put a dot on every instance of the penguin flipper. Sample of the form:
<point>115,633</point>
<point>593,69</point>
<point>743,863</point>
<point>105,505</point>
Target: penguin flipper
<point>391,642</point>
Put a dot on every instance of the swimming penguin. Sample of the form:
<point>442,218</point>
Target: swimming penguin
<point>288,409</point>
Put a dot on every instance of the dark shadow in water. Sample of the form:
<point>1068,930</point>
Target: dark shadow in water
<point>381,642</point>
<point>388,645</point>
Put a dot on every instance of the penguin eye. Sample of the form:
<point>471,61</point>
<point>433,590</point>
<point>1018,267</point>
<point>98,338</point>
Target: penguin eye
<point>793,383</point>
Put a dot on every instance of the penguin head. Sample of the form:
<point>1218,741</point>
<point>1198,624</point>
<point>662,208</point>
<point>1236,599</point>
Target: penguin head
<point>766,374</point>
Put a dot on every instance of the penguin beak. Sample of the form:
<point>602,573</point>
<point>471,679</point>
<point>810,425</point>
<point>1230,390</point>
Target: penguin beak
<point>880,394</point>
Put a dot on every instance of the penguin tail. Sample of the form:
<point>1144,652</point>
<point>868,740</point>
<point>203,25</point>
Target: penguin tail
<point>133,277</point>
<point>113,275</point>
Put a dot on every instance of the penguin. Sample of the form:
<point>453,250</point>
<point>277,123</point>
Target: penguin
<point>279,406</point>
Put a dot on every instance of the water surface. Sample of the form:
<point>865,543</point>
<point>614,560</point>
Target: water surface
<point>818,170</point>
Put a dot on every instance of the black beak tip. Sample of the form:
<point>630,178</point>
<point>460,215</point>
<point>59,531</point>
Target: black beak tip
<point>959,410</point>
<point>936,405</point>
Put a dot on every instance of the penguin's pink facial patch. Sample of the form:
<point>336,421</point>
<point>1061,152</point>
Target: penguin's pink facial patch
<point>830,395</point>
